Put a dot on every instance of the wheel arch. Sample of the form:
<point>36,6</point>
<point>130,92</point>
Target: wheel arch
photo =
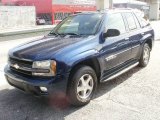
<point>149,42</point>
<point>149,39</point>
<point>91,62</point>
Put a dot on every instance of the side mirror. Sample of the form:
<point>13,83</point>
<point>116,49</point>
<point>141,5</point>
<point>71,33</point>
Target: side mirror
<point>111,33</point>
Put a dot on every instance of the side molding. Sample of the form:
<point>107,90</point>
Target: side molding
<point>121,72</point>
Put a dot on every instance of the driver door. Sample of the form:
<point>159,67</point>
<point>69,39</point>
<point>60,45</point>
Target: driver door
<point>116,50</point>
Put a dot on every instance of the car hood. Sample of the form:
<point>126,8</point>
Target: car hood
<point>43,48</point>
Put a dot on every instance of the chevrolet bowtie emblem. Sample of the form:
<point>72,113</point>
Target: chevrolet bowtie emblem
<point>16,66</point>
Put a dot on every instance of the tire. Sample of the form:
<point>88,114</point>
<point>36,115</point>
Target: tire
<point>145,57</point>
<point>77,90</point>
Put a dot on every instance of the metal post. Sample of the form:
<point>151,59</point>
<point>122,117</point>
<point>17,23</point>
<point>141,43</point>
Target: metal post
<point>111,4</point>
<point>102,4</point>
<point>154,10</point>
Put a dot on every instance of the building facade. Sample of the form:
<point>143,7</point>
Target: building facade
<point>154,13</point>
<point>54,11</point>
<point>150,7</point>
<point>142,6</point>
<point>63,8</point>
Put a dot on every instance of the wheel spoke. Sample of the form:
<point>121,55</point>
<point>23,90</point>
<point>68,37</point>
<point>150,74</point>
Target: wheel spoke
<point>88,79</point>
<point>89,88</point>
<point>85,93</point>
<point>83,81</point>
<point>79,89</point>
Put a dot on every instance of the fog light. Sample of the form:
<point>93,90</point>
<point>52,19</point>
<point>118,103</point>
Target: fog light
<point>43,89</point>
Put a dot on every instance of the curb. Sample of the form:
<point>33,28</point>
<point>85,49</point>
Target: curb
<point>26,31</point>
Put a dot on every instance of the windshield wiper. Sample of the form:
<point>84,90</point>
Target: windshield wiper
<point>63,34</point>
<point>53,33</point>
<point>73,34</point>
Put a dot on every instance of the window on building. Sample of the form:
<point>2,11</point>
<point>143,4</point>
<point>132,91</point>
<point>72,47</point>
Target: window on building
<point>58,16</point>
<point>61,15</point>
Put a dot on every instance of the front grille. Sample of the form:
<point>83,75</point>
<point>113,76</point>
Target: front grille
<point>21,64</point>
<point>20,71</point>
<point>24,63</point>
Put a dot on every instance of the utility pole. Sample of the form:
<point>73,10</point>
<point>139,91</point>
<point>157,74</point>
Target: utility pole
<point>111,4</point>
<point>104,4</point>
<point>154,9</point>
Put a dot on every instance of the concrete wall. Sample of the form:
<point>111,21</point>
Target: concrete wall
<point>17,16</point>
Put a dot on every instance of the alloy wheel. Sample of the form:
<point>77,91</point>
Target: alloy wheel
<point>85,86</point>
<point>146,55</point>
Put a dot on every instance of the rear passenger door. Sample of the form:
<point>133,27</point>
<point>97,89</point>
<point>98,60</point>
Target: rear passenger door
<point>135,34</point>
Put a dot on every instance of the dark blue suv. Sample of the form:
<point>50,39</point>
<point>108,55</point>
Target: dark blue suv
<point>82,51</point>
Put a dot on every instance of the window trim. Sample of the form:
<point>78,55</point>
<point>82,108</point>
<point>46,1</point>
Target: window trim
<point>139,20</point>
<point>128,23</point>
<point>136,19</point>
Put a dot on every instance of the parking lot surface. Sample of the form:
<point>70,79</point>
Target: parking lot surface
<point>134,95</point>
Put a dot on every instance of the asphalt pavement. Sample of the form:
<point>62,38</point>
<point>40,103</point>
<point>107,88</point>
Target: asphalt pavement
<point>132,96</point>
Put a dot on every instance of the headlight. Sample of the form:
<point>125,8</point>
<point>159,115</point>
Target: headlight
<point>44,68</point>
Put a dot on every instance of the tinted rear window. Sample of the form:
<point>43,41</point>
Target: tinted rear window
<point>143,19</point>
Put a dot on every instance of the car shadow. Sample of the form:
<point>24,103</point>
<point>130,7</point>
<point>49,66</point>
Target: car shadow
<point>17,105</point>
<point>105,87</point>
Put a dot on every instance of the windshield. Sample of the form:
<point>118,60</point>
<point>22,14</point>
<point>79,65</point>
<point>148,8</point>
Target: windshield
<point>82,24</point>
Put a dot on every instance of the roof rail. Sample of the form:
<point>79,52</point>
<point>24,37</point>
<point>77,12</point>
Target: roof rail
<point>104,10</point>
<point>123,8</point>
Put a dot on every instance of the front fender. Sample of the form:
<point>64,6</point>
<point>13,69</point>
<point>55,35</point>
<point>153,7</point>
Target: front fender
<point>67,63</point>
<point>82,56</point>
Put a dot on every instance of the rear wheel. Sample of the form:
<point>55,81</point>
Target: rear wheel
<point>82,86</point>
<point>145,57</point>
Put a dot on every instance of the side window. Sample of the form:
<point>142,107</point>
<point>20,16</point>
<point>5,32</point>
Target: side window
<point>143,19</point>
<point>115,21</point>
<point>136,20</point>
<point>131,21</point>
<point>144,22</point>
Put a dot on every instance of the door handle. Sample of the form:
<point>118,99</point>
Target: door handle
<point>126,39</point>
<point>142,34</point>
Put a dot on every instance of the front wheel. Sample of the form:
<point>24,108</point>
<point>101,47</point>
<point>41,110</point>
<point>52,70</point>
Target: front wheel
<point>145,57</point>
<point>82,86</point>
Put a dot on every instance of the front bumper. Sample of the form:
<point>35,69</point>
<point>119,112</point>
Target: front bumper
<point>32,85</point>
